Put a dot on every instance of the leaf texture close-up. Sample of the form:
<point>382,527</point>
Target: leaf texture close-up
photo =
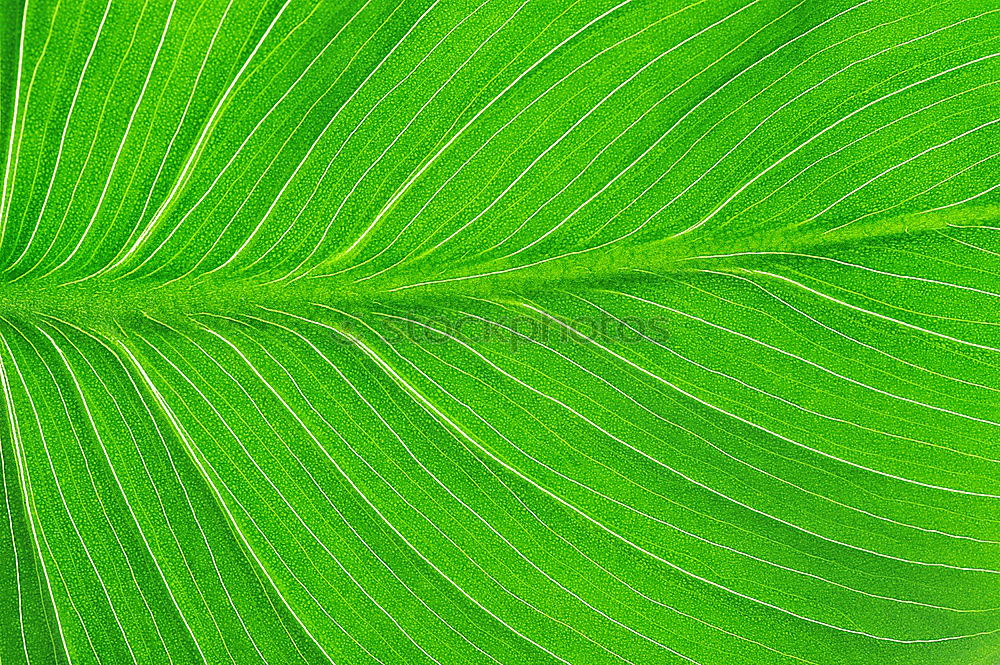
<point>503,332</point>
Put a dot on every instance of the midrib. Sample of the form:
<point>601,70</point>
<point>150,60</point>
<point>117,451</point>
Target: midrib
<point>103,301</point>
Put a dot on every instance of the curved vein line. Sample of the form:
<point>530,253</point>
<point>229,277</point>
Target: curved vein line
<point>416,175</point>
<point>196,457</point>
<point>196,151</point>
<point>62,497</point>
<point>118,152</point>
<point>843,119</point>
<point>460,501</point>
<point>13,131</point>
<point>62,139</point>
<point>430,406</point>
<point>114,473</point>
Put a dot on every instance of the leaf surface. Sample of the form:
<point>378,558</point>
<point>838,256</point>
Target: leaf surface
<point>500,331</point>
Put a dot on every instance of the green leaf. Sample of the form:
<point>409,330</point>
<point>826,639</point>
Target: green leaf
<point>501,331</point>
